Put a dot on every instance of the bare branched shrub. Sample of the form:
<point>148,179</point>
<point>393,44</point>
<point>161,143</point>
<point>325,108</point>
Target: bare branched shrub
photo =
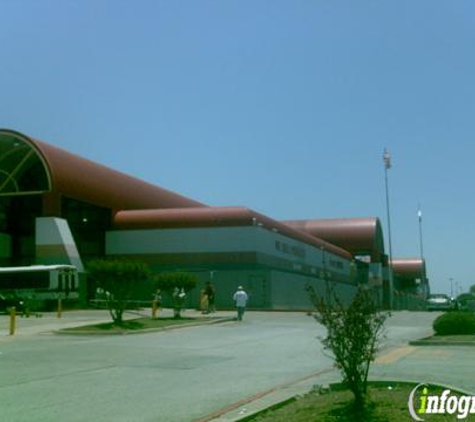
<point>353,335</point>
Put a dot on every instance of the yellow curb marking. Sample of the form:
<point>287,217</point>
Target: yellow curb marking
<point>437,353</point>
<point>395,355</point>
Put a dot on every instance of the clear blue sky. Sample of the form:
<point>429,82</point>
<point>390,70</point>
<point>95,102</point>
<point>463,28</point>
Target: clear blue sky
<point>281,106</point>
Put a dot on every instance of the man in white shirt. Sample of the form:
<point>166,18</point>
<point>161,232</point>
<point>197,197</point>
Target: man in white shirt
<point>240,297</point>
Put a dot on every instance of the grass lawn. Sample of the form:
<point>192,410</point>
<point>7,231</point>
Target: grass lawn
<point>388,404</point>
<point>135,325</point>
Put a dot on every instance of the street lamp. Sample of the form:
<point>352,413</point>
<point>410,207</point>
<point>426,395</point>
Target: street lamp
<point>387,166</point>
<point>423,268</point>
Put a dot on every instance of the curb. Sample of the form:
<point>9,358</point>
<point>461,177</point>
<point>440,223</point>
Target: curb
<point>429,341</point>
<point>275,406</point>
<point>86,332</point>
<point>230,412</point>
<point>441,343</point>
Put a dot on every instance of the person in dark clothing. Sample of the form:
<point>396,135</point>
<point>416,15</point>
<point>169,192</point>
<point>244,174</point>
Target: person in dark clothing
<point>210,293</point>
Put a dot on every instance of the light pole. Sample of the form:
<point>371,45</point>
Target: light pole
<point>423,268</point>
<point>451,288</point>
<point>387,166</point>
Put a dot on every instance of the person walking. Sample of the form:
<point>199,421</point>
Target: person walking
<point>203,302</point>
<point>156,303</point>
<point>157,297</point>
<point>210,293</point>
<point>240,297</point>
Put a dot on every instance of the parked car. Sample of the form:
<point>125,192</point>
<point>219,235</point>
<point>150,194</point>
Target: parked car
<point>7,302</point>
<point>439,302</point>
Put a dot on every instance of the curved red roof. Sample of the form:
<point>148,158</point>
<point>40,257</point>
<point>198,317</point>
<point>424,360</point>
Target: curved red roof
<point>214,217</point>
<point>359,236</point>
<point>408,267</point>
<point>85,180</point>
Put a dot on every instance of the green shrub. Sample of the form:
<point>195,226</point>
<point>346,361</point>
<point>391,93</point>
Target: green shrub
<point>118,278</point>
<point>168,281</point>
<point>463,299</point>
<point>452,323</point>
<point>176,285</point>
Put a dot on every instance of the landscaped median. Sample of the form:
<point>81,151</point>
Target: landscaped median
<point>451,329</point>
<point>390,402</point>
<point>142,325</point>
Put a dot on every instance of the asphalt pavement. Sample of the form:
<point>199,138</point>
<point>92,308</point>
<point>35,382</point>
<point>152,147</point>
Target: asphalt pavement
<point>206,373</point>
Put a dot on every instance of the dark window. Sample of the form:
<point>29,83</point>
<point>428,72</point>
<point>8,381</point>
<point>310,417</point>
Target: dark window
<point>60,282</point>
<point>88,224</point>
<point>25,280</point>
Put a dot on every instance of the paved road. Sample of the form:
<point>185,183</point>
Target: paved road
<point>179,375</point>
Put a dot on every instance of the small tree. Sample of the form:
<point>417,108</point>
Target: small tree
<point>118,279</point>
<point>176,285</point>
<point>353,335</point>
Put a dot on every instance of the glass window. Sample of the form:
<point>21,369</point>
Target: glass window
<point>21,168</point>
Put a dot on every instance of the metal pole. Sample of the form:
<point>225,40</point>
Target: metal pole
<point>419,214</point>
<point>423,269</point>
<point>387,166</point>
<point>60,308</point>
<point>154,309</point>
<point>12,321</point>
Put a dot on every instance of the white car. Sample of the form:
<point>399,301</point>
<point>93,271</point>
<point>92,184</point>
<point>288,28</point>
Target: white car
<point>438,302</point>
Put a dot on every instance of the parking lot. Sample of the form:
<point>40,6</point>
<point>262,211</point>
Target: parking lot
<point>188,374</point>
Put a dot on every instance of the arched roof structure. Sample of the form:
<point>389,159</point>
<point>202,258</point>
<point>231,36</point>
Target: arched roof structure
<point>215,217</point>
<point>29,166</point>
<point>359,236</point>
<point>408,267</point>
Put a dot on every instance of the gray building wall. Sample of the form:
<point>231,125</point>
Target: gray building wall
<point>272,268</point>
<point>272,249</point>
<point>288,290</point>
<point>255,282</point>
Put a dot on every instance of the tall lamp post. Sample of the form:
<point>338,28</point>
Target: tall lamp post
<point>423,269</point>
<point>387,166</point>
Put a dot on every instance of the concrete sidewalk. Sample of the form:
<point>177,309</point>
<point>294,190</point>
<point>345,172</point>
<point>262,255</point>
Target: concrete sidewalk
<point>453,366</point>
<point>49,322</point>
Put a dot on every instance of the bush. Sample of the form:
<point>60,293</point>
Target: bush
<point>118,279</point>
<point>177,285</point>
<point>169,281</point>
<point>463,299</point>
<point>452,323</point>
<point>353,335</point>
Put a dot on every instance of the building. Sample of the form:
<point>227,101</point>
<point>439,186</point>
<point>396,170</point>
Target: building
<point>410,282</point>
<point>56,207</point>
<point>233,246</point>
